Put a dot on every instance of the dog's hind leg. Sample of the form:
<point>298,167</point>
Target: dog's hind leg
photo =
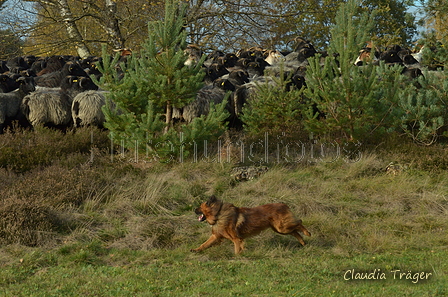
<point>298,236</point>
<point>239,245</point>
<point>211,241</point>
<point>291,228</point>
<point>302,229</point>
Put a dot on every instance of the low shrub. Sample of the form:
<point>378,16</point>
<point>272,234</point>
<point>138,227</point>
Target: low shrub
<point>23,149</point>
<point>28,223</point>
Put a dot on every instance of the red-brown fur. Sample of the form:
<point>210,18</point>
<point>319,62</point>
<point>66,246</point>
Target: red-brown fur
<point>238,223</point>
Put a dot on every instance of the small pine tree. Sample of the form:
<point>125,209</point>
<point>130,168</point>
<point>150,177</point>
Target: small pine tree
<point>350,32</point>
<point>424,110</point>
<point>141,98</point>
<point>275,109</point>
<point>350,98</point>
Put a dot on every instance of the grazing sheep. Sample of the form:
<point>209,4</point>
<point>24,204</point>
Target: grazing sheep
<point>47,107</point>
<point>29,60</point>
<point>3,67</point>
<point>238,77</point>
<point>51,107</point>
<point>301,56</point>
<point>410,61</point>
<point>194,54</point>
<point>10,102</point>
<point>228,60</point>
<point>247,92</point>
<point>419,55</point>
<point>86,109</point>
<point>39,65</point>
<point>257,67</point>
<point>391,56</point>
<point>78,84</point>
<point>89,65</point>
<point>367,56</point>
<point>242,63</point>
<point>48,65</point>
<point>213,57</point>
<point>213,72</point>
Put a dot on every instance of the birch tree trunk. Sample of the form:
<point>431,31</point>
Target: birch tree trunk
<point>111,25</point>
<point>72,29</point>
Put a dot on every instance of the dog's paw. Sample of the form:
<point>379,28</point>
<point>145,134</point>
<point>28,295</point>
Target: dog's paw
<point>194,251</point>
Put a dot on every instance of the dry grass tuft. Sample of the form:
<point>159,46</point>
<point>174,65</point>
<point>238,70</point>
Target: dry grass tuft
<point>151,232</point>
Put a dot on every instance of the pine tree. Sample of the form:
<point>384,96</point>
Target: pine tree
<point>424,110</point>
<point>142,95</point>
<point>351,100</point>
<point>274,109</point>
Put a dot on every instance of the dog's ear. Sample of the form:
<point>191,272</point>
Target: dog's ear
<point>212,200</point>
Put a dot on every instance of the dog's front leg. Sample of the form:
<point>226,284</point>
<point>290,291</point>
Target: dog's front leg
<point>211,241</point>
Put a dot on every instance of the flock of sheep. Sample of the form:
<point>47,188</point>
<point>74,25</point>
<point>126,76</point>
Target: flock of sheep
<point>241,73</point>
<point>58,91</point>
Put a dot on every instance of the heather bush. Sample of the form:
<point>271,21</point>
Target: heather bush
<point>28,223</point>
<point>23,150</point>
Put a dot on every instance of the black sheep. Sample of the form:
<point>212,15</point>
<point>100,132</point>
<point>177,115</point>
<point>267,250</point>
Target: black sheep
<point>17,64</point>
<point>54,79</point>
<point>8,83</point>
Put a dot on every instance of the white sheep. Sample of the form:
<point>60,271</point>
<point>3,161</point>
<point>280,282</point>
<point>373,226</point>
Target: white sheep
<point>274,57</point>
<point>51,107</point>
<point>10,102</point>
<point>86,108</point>
<point>48,107</point>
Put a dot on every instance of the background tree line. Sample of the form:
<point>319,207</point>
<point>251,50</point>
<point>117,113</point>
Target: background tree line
<point>47,27</point>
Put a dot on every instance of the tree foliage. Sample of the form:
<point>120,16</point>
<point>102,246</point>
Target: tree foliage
<point>436,18</point>
<point>273,23</point>
<point>10,45</point>
<point>435,51</point>
<point>116,24</point>
<point>393,23</point>
<point>225,25</point>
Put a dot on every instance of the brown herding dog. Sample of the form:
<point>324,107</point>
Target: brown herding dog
<point>238,223</point>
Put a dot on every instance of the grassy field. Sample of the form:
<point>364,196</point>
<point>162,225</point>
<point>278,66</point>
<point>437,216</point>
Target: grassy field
<point>76,220</point>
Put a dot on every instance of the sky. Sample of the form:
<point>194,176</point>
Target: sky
<point>15,9</point>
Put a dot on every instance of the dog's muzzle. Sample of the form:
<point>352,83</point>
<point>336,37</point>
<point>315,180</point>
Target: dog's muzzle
<point>201,217</point>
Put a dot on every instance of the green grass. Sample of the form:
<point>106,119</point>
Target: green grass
<point>280,270</point>
<point>82,224</point>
